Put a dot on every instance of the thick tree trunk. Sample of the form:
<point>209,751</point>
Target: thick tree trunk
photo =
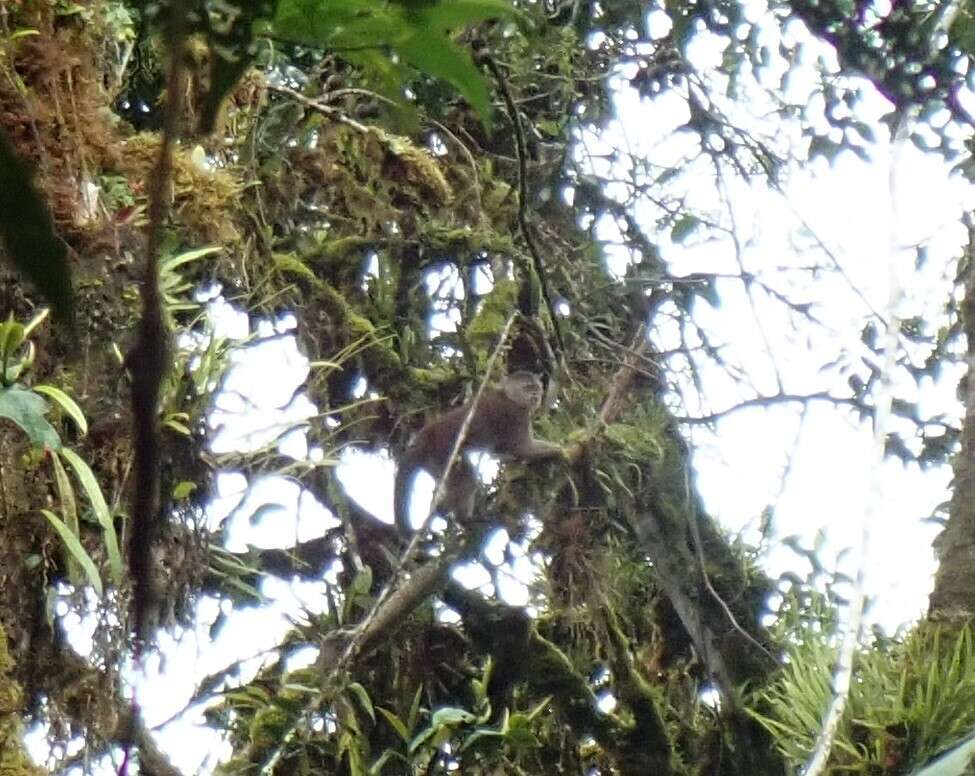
<point>954,587</point>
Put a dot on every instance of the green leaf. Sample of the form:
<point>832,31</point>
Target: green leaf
<point>178,427</point>
<point>396,723</point>
<point>415,708</point>
<point>27,410</point>
<point>26,226</point>
<point>249,590</point>
<point>102,513</point>
<point>419,34</point>
<point>36,321</point>
<point>362,582</point>
<point>364,700</point>
<point>172,262</point>
<point>463,13</point>
<point>69,505</point>
<point>334,22</point>
<point>11,337</point>
<point>441,723</point>
<point>436,55</point>
<point>264,510</point>
<point>451,715</point>
<point>184,489</point>
<point>479,735</point>
<point>378,768</point>
<point>67,404</point>
<point>79,553</point>
<point>69,508</point>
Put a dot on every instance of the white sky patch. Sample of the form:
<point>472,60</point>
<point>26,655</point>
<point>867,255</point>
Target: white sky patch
<point>445,289</point>
<point>845,205</point>
<point>259,400</point>
<point>367,478</point>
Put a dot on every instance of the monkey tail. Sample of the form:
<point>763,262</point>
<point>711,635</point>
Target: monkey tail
<point>405,471</point>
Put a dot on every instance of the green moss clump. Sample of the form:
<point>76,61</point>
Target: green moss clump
<point>14,760</point>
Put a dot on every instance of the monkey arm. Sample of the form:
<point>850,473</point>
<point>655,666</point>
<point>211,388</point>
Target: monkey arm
<point>500,423</point>
<point>533,449</point>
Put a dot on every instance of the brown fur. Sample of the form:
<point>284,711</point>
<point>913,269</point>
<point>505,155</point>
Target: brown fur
<point>501,424</point>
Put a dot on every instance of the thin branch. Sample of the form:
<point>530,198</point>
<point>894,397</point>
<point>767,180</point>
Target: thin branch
<point>148,362</point>
<point>351,651</point>
<point>523,225</point>
<point>770,401</point>
<point>397,596</point>
<point>320,107</point>
<point>692,519</point>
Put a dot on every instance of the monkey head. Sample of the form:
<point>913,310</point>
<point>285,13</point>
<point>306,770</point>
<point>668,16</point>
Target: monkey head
<point>524,389</point>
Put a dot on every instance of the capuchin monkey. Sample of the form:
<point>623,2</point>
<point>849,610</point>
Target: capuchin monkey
<point>501,424</point>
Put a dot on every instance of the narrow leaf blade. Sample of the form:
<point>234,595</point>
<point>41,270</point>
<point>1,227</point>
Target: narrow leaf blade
<point>69,405</point>
<point>102,513</point>
<point>78,552</point>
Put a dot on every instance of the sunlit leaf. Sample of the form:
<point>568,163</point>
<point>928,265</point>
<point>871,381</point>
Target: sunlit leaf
<point>36,321</point>
<point>11,337</point>
<point>66,403</point>
<point>178,427</point>
<point>183,489</point>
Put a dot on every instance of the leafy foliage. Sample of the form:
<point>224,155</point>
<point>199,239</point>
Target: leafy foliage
<point>910,698</point>
<point>28,410</point>
<point>348,187</point>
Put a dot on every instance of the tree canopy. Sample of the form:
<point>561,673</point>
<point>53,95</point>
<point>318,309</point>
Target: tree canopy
<point>404,201</point>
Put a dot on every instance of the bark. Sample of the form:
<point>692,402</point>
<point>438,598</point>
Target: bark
<point>954,585</point>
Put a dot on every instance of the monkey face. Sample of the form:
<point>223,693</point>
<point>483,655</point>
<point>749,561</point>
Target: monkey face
<point>524,389</point>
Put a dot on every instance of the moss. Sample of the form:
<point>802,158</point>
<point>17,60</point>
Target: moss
<point>446,238</point>
<point>414,166</point>
<point>379,356</point>
<point>288,263</point>
<point>343,246</point>
<point>487,325</point>
<point>268,727</point>
<point>13,757</point>
<point>202,198</point>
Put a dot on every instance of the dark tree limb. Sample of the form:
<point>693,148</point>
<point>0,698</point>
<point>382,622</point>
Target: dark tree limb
<point>149,359</point>
<point>521,654</point>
